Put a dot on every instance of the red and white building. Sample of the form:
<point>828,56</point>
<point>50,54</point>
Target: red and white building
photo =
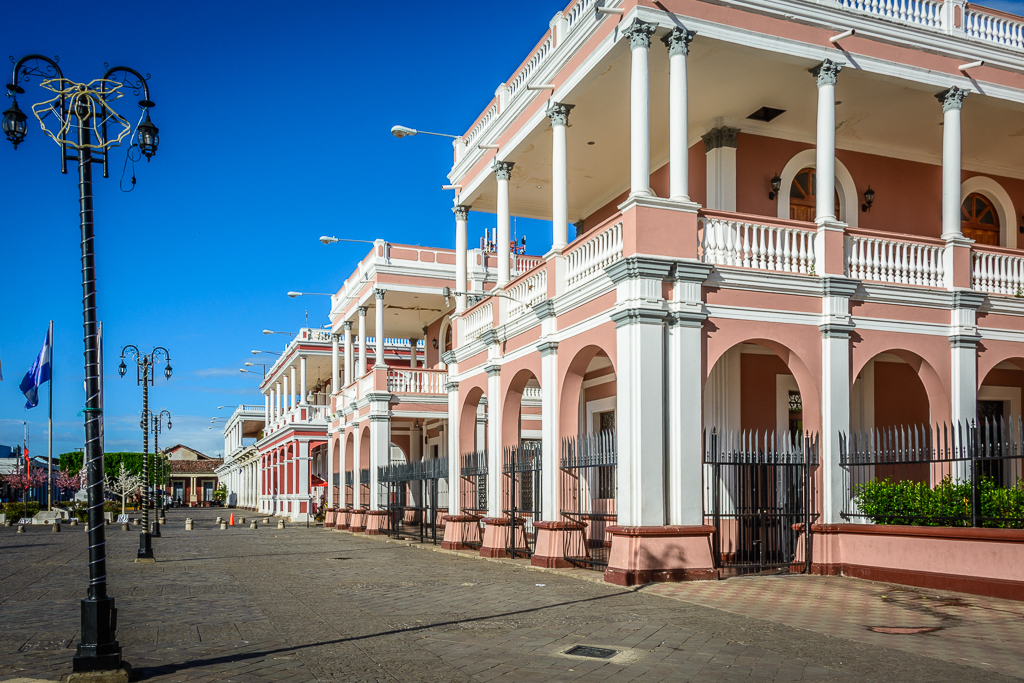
<point>790,215</point>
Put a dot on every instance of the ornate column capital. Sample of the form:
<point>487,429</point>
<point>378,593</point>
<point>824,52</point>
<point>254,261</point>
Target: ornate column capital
<point>502,169</point>
<point>827,72</point>
<point>379,294</point>
<point>678,41</point>
<point>952,98</point>
<point>347,325</point>
<point>559,113</point>
<point>362,311</point>
<point>639,34</point>
<point>720,137</point>
<point>461,212</point>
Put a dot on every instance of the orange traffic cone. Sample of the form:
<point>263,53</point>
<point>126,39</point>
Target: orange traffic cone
<point>231,522</point>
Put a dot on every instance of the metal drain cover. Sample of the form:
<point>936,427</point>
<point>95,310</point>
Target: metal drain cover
<point>595,652</point>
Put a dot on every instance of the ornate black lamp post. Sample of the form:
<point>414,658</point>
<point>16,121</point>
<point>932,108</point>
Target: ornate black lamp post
<point>144,364</point>
<point>80,119</point>
<point>157,420</point>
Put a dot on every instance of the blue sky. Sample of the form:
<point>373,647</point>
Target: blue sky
<point>274,130</point>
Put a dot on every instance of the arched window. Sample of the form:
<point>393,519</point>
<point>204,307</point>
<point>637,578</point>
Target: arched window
<point>448,339</point>
<point>802,199</point>
<point>979,219</point>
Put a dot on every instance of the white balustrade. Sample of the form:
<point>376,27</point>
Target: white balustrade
<point>926,13</point>
<point>578,12</point>
<point>473,136</point>
<point>530,291</point>
<point>417,381</point>
<point>476,321</point>
<point>1000,30</point>
<point>997,273</point>
<point>521,264</point>
<point>522,79</point>
<point>905,263</point>
<point>532,394</point>
<point>593,256</point>
<point>727,242</point>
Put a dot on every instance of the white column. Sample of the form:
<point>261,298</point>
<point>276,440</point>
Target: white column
<point>335,376</point>
<point>279,400</point>
<point>378,324</point>
<point>558,113</point>
<point>302,472</point>
<point>639,34</point>
<point>503,172</point>
<point>963,344</point>
<point>356,466</point>
<point>360,368</point>
<point>412,354</point>
<point>380,447</point>
<point>835,329</point>
<point>454,478</point>
<point>550,471</point>
<point>678,43</point>
<point>720,147</point>
<point>266,409</point>
<point>289,389</point>
<point>349,355</point>
<point>461,256</point>
<point>302,380</point>
<point>952,102</point>
<point>825,164</point>
<point>494,444</point>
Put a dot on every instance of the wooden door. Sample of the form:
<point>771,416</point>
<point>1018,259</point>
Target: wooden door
<point>979,220</point>
<point>802,196</point>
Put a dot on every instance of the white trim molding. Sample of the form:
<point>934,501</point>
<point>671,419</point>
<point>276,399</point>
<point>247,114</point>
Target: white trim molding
<point>994,192</point>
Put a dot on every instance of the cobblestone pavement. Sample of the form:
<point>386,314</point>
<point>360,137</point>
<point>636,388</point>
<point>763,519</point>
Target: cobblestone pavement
<point>314,605</point>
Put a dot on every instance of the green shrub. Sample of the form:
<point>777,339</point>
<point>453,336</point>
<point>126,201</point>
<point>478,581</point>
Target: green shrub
<point>947,504</point>
<point>16,511</point>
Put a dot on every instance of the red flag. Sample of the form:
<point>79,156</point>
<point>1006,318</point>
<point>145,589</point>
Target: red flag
<point>28,462</point>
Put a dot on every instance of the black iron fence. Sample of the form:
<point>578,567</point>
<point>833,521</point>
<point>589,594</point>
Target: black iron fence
<point>960,474</point>
<point>364,489</point>
<point>348,488</point>
<point>473,494</point>
<point>521,497</point>
<point>587,496</point>
<point>760,496</point>
<point>415,495</point>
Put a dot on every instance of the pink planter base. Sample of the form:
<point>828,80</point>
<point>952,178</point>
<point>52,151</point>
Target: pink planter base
<point>376,522</point>
<point>642,555</point>
<point>459,531</point>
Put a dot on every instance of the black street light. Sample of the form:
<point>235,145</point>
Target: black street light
<point>156,422</point>
<point>84,122</point>
<point>144,364</point>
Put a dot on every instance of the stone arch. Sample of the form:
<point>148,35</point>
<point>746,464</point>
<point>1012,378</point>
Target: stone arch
<point>511,406</point>
<point>1000,198</point>
<point>572,387</point>
<point>934,387</point>
<point>446,325</point>
<point>467,421</point>
<point>849,204</point>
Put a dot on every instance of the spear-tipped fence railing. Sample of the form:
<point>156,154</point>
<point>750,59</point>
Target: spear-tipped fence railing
<point>364,489</point>
<point>473,495</point>
<point>349,479</point>
<point>521,481</point>
<point>588,486</point>
<point>759,493</point>
<point>948,474</point>
<point>414,493</point>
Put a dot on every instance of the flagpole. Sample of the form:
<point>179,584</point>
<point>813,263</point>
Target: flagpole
<point>49,435</point>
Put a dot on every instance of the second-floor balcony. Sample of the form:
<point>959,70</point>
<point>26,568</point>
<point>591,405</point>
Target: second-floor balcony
<point>410,383</point>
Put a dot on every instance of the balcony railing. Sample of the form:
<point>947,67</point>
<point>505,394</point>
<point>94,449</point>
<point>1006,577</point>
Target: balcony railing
<point>527,292</point>
<point>900,259</point>
<point>590,257</point>
<point>1005,31</point>
<point>926,13</point>
<point>997,271</point>
<point>476,321</point>
<point>417,381</point>
<point>731,240</point>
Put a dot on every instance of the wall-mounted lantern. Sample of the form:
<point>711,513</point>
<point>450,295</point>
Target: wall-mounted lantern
<point>776,186</point>
<point>869,199</point>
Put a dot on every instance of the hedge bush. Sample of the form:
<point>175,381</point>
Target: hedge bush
<point>947,504</point>
<point>16,511</point>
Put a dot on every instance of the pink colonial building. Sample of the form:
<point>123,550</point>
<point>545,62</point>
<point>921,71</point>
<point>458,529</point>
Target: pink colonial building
<point>793,220</point>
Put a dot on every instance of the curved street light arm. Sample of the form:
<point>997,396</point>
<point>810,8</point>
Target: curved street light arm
<point>22,72</point>
<point>142,84</point>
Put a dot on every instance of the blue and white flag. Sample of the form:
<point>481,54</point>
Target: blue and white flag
<point>37,374</point>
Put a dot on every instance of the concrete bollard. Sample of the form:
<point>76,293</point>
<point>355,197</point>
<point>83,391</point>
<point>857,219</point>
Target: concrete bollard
<point>7,522</point>
<point>54,528</point>
<point>253,525</point>
<point>163,521</point>
<point>280,524</point>
<point>223,525</point>
<point>125,527</point>
<point>219,520</point>
<point>188,524</point>
<point>21,528</point>
<point>73,521</point>
<point>266,520</point>
<point>241,521</point>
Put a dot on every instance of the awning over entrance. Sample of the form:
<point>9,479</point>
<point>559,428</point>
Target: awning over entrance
<point>316,481</point>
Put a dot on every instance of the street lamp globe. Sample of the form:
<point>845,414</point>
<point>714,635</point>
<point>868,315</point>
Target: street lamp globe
<point>149,137</point>
<point>402,131</point>
<point>167,371</point>
<point>15,124</point>
<point>122,368</point>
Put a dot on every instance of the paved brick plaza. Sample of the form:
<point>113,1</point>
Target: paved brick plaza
<point>306,605</point>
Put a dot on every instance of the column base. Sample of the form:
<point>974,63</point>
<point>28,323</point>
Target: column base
<point>356,520</point>
<point>342,520</point>
<point>461,532</point>
<point>376,522</point>
<point>330,519</point>
<point>556,540</point>
<point>651,554</point>
<point>495,543</point>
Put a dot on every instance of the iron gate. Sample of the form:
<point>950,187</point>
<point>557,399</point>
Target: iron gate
<point>521,467</point>
<point>348,489</point>
<point>759,495</point>
<point>588,489</point>
<point>364,489</point>
<point>410,493</point>
<point>473,493</point>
